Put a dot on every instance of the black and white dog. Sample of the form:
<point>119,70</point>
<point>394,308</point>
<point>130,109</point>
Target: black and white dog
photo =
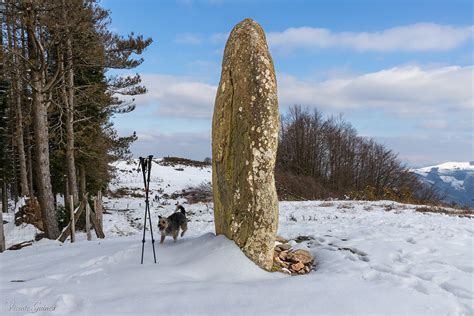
<point>171,225</point>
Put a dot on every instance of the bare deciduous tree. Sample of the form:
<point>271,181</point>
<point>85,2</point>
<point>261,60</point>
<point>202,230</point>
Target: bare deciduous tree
<point>339,162</point>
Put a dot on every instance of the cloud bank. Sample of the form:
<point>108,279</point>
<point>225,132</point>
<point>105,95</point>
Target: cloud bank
<point>419,37</point>
<point>407,91</point>
<point>411,38</point>
<point>437,103</point>
<point>176,96</point>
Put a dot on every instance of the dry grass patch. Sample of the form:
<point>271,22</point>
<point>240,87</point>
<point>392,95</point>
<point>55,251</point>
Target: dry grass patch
<point>175,161</point>
<point>345,206</point>
<point>124,192</point>
<point>326,204</point>
<point>447,211</point>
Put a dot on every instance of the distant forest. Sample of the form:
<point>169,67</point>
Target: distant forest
<point>323,157</point>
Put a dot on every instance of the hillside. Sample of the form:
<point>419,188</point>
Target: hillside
<point>454,180</point>
<point>372,258</point>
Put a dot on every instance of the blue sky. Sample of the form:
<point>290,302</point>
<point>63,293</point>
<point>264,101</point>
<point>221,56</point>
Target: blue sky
<point>399,71</point>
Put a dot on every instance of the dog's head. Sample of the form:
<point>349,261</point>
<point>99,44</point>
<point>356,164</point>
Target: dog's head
<point>163,223</point>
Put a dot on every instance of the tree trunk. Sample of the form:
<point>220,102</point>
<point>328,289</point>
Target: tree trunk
<point>88,221</point>
<point>82,176</point>
<point>66,193</point>
<point>17,90</point>
<point>3,153</point>
<point>2,234</point>
<point>70,159</point>
<point>11,113</point>
<point>73,219</point>
<point>20,145</point>
<point>29,161</point>
<point>27,106</point>
<point>45,192</point>
<point>40,119</point>
<point>4,197</point>
<point>68,95</point>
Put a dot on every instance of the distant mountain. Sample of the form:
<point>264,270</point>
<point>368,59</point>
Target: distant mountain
<point>454,179</point>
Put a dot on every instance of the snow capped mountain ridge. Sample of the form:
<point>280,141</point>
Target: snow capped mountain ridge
<point>455,180</point>
<point>451,165</point>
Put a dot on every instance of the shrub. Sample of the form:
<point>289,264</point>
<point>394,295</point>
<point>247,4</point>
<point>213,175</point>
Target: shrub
<point>63,216</point>
<point>291,187</point>
<point>201,193</point>
<point>174,161</point>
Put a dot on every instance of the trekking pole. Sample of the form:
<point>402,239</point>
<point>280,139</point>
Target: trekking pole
<point>150,157</point>
<point>145,165</point>
<point>142,165</point>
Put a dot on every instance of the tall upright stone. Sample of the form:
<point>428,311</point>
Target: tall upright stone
<point>244,143</point>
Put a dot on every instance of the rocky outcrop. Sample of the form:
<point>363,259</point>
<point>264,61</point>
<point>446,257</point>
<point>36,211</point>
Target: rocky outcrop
<point>244,144</point>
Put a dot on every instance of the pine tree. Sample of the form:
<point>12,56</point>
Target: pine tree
<point>58,54</point>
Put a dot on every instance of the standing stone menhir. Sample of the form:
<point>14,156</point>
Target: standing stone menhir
<point>244,143</point>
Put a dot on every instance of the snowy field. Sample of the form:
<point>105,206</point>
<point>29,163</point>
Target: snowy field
<point>373,258</point>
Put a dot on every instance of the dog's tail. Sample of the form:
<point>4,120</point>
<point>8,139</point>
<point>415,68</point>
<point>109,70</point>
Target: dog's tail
<point>181,209</point>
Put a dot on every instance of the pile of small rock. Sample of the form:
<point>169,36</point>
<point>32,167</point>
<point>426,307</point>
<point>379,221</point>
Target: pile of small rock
<point>290,261</point>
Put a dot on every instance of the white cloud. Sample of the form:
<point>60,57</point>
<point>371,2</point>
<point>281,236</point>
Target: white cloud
<point>218,38</point>
<point>189,38</point>
<point>206,68</point>
<point>434,124</point>
<point>410,38</point>
<point>176,96</point>
<point>411,91</point>
<point>407,90</point>
<point>419,37</point>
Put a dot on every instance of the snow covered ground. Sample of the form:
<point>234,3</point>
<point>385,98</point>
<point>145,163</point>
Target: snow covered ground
<point>168,178</point>
<point>373,258</point>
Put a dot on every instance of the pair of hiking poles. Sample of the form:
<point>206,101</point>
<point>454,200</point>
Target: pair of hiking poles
<point>145,165</point>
